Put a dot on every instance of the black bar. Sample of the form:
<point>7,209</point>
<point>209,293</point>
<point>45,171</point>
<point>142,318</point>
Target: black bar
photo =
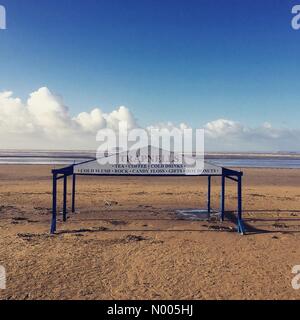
<point>232,178</point>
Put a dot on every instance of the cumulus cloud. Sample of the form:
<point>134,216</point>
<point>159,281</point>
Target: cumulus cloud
<point>48,111</point>
<point>228,135</point>
<point>169,126</point>
<point>90,122</point>
<point>96,120</point>
<point>223,127</point>
<point>44,122</point>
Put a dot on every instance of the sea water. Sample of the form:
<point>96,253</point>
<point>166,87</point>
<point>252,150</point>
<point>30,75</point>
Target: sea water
<point>71,157</point>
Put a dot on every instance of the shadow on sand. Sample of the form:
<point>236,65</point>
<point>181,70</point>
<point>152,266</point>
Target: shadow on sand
<point>251,230</point>
<point>229,216</point>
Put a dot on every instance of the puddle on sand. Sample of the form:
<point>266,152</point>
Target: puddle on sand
<point>195,214</point>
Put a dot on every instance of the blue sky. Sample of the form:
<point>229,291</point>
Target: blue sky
<point>167,60</point>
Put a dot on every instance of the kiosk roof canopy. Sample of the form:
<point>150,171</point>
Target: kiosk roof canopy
<point>136,165</point>
<point>150,161</point>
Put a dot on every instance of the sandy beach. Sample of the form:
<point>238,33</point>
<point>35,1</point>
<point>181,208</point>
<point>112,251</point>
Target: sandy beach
<point>126,242</point>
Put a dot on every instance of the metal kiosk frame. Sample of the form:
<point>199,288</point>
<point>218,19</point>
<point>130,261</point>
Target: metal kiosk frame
<point>72,170</point>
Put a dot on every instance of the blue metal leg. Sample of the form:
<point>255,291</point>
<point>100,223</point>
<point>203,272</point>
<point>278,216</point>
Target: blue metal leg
<point>241,228</point>
<point>73,192</point>
<point>54,192</point>
<point>223,199</point>
<point>208,195</point>
<point>65,199</point>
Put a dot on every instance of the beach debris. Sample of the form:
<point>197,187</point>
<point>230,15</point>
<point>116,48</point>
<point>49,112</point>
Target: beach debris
<point>257,195</point>
<point>83,230</point>
<point>221,228</point>
<point>294,214</point>
<point>117,222</point>
<point>42,211</point>
<point>134,238</point>
<point>278,225</point>
<point>33,236</point>
<point>141,193</point>
<point>19,219</point>
<point>110,203</point>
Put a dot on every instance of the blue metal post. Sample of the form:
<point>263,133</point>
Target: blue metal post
<point>240,219</point>
<point>54,192</point>
<point>73,192</point>
<point>65,199</point>
<point>223,198</point>
<point>208,194</point>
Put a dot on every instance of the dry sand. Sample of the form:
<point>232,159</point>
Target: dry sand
<point>125,242</point>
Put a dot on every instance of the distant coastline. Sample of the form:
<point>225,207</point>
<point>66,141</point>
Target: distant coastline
<point>90,154</point>
<point>229,159</point>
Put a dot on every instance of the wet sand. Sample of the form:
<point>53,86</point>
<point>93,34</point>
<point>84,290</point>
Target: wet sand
<point>126,242</point>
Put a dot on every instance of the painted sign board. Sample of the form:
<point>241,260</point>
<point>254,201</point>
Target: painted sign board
<point>148,162</point>
<point>96,168</point>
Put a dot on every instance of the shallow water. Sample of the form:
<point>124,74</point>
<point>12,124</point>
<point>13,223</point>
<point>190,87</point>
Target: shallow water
<point>258,163</point>
<point>38,160</point>
<point>71,157</point>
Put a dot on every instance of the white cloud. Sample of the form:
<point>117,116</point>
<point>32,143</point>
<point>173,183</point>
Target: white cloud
<point>96,120</point>
<point>169,126</point>
<point>48,112</point>
<point>90,122</point>
<point>44,121</point>
<point>13,115</point>
<point>228,135</point>
<point>122,117</point>
<point>223,127</point>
